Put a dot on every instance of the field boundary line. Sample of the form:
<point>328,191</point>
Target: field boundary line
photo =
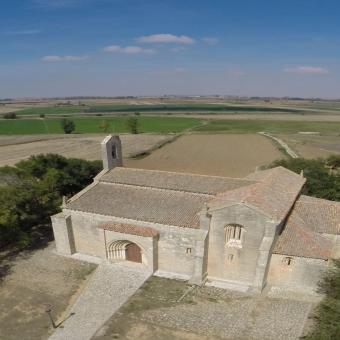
<point>284,145</point>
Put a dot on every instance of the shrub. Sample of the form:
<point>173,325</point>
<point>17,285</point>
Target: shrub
<point>132,125</point>
<point>42,115</point>
<point>68,125</point>
<point>10,115</point>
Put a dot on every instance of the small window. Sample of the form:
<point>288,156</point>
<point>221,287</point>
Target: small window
<point>287,261</point>
<point>189,250</point>
<point>233,235</point>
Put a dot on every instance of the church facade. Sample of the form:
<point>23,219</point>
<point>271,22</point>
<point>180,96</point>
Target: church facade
<point>241,234</point>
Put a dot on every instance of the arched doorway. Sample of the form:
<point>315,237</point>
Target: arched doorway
<point>124,250</point>
<point>133,253</point>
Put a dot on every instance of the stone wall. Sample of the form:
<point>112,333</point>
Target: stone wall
<point>295,273</point>
<point>174,251</point>
<point>244,266</point>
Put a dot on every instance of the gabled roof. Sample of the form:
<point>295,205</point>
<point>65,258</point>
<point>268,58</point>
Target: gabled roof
<point>297,239</point>
<point>274,193</point>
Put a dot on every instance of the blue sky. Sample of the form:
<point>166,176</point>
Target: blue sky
<point>156,47</point>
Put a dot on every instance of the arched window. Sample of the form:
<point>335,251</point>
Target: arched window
<point>233,235</point>
<point>114,151</point>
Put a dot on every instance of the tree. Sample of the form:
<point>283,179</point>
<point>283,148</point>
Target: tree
<point>68,125</point>
<point>105,126</point>
<point>10,115</point>
<point>66,175</point>
<point>132,125</point>
<point>32,191</point>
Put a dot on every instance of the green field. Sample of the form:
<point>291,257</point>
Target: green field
<point>253,126</point>
<point>92,125</point>
<point>166,124</point>
<point>212,108</point>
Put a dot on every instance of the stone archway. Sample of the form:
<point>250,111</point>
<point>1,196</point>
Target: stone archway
<point>124,250</point>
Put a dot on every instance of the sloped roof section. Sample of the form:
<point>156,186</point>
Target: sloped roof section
<point>142,204</point>
<point>202,184</point>
<point>129,229</point>
<point>274,194</point>
<point>298,240</point>
<point>319,215</point>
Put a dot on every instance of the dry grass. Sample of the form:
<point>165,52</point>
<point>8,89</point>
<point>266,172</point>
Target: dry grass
<point>313,146</point>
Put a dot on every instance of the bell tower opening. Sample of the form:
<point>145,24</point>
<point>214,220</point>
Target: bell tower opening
<point>112,152</point>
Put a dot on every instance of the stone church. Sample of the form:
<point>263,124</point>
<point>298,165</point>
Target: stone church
<point>240,234</point>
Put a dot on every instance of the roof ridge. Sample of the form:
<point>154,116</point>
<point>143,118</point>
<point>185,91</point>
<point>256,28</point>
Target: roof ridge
<point>157,189</point>
<point>186,173</point>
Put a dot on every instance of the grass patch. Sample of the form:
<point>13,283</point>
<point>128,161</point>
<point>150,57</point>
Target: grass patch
<point>254,126</point>
<point>92,125</point>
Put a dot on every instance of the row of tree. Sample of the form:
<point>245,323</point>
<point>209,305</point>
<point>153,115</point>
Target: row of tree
<point>132,125</point>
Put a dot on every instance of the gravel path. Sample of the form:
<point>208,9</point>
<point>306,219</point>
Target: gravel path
<point>109,287</point>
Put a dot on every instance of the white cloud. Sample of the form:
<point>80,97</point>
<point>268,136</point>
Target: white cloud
<point>177,49</point>
<point>166,38</point>
<point>211,40</point>
<point>56,58</point>
<point>306,70</point>
<point>129,49</point>
<point>22,32</point>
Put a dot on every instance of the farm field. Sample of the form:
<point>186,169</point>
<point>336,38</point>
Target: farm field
<point>159,124</point>
<point>283,127</point>
<point>92,125</point>
<point>13,149</point>
<point>233,155</point>
<point>160,108</point>
<point>313,146</point>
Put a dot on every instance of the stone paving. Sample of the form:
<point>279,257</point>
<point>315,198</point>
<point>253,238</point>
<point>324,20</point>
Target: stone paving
<point>110,286</point>
<point>225,314</point>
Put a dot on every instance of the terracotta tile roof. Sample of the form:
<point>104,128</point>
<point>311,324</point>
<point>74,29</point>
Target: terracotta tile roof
<point>129,229</point>
<point>173,180</point>
<point>274,194</point>
<point>142,204</point>
<point>320,215</point>
<point>298,240</point>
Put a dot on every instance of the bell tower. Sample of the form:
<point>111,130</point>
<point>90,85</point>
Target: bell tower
<point>111,152</point>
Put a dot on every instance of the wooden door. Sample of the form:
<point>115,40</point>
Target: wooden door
<point>133,253</point>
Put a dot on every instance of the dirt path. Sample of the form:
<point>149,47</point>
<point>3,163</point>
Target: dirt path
<point>284,145</point>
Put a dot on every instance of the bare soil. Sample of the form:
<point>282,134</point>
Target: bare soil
<point>313,146</point>
<point>16,148</point>
<point>30,282</point>
<point>233,155</point>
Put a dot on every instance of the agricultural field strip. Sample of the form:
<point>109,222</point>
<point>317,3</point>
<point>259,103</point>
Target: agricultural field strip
<point>152,108</point>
